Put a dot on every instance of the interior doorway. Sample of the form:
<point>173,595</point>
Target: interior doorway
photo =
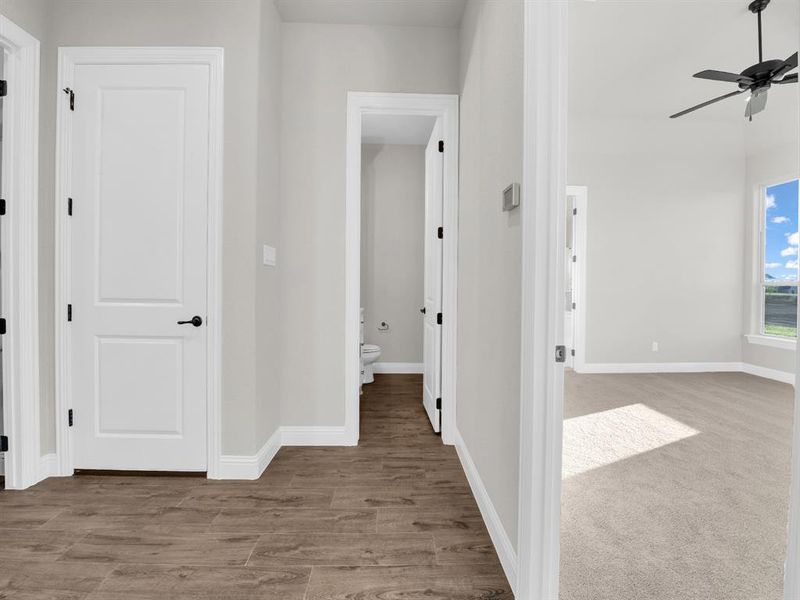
<point>401,252</point>
<point>429,122</point>
<point>575,276</point>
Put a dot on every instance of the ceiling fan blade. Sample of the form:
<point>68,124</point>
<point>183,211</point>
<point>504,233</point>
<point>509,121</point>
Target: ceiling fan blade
<point>789,64</point>
<point>704,104</point>
<point>723,76</point>
<point>756,104</point>
<point>788,79</point>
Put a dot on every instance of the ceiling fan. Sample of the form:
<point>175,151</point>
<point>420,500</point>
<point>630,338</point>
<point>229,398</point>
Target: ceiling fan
<point>756,79</point>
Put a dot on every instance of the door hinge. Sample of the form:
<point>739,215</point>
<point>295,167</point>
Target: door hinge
<point>438,404</point>
<point>572,352</point>
<point>69,206</point>
<point>574,211</point>
<point>440,233</point>
<point>573,306</point>
<point>69,313</point>
<point>574,259</point>
<point>69,92</point>
<point>438,318</point>
<point>2,326</point>
<point>2,207</point>
<point>70,419</point>
<point>441,145</point>
<point>3,88</point>
<point>3,443</point>
<point>561,354</point>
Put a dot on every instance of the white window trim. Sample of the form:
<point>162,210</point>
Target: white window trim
<point>760,336</point>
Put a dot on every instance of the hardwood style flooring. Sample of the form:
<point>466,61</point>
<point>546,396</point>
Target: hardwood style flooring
<point>392,518</point>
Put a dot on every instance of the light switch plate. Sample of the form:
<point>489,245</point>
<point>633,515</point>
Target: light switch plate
<point>270,256</point>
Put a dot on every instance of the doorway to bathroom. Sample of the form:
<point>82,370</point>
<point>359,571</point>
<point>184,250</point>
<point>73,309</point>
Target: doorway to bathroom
<point>402,166</point>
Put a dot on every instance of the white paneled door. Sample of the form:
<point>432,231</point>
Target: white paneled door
<point>139,235</point>
<point>432,335</point>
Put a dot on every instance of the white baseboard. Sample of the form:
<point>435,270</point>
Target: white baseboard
<point>674,367</point>
<point>48,466</point>
<point>599,368</point>
<point>767,373</point>
<point>502,543</point>
<point>387,367</point>
<point>250,467</point>
<point>315,436</point>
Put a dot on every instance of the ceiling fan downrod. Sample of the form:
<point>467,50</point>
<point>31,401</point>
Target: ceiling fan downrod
<point>757,7</point>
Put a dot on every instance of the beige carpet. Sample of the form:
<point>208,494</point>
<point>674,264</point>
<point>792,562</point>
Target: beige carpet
<point>675,487</point>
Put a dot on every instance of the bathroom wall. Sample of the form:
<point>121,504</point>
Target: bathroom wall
<point>392,248</point>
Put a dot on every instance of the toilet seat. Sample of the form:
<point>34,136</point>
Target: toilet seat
<point>370,348</point>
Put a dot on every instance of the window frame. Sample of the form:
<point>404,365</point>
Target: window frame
<point>761,254</point>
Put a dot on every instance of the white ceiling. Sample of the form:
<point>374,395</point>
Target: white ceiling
<point>638,58</point>
<point>397,129</point>
<point>410,13</point>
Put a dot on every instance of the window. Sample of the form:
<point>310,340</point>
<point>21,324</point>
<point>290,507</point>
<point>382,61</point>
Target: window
<point>779,273</point>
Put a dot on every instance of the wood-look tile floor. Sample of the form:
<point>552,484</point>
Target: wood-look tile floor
<point>391,518</point>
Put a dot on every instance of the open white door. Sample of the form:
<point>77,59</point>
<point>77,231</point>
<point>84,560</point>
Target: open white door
<point>432,336</point>
<point>139,266</point>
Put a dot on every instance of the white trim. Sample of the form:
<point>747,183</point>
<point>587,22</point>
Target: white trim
<point>445,107</point>
<point>684,367</point>
<point>292,435</point>
<point>249,467</point>
<point>673,367</point>
<point>541,383</point>
<point>772,341</point>
<point>502,543</point>
<point>68,58</point>
<point>19,231</point>
<point>767,373</point>
<point>387,367</point>
<point>48,466</point>
<point>581,195</point>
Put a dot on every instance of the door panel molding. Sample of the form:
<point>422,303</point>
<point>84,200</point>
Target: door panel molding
<point>68,59</point>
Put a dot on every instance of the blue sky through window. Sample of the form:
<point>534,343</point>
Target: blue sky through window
<point>782,238</point>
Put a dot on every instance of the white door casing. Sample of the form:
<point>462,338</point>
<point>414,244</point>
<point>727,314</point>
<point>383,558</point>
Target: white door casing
<point>142,247</point>
<point>432,328</point>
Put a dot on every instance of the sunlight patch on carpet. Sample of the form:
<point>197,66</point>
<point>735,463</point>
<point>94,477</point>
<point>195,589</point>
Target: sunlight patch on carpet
<point>603,438</point>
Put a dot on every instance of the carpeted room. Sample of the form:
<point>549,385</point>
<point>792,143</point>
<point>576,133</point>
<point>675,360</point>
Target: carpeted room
<point>677,431</point>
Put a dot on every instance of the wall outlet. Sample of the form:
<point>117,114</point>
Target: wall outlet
<point>270,256</point>
<point>655,346</point>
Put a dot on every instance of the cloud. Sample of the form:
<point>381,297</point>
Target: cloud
<point>790,251</point>
<point>792,264</point>
<point>793,239</point>
<point>779,220</point>
<point>770,201</point>
<point>772,265</point>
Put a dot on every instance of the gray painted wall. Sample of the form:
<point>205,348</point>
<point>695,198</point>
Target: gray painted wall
<point>664,247</point>
<point>489,261</point>
<point>392,248</point>
<point>321,63</point>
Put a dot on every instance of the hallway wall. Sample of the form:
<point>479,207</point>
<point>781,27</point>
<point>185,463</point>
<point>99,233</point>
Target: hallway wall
<point>490,249</point>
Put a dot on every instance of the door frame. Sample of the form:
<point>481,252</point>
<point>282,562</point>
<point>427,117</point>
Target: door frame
<point>68,59</point>
<point>445,107</point>
<point>542,378</point>
<point>581,195</point>
<point>20,250</point>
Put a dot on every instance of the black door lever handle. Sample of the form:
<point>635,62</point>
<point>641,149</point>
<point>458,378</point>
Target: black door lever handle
<point>195,320</point>
<point>422,310</point>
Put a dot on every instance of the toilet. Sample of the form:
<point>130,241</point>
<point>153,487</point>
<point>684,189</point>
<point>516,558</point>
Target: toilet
<point>369,354</point>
